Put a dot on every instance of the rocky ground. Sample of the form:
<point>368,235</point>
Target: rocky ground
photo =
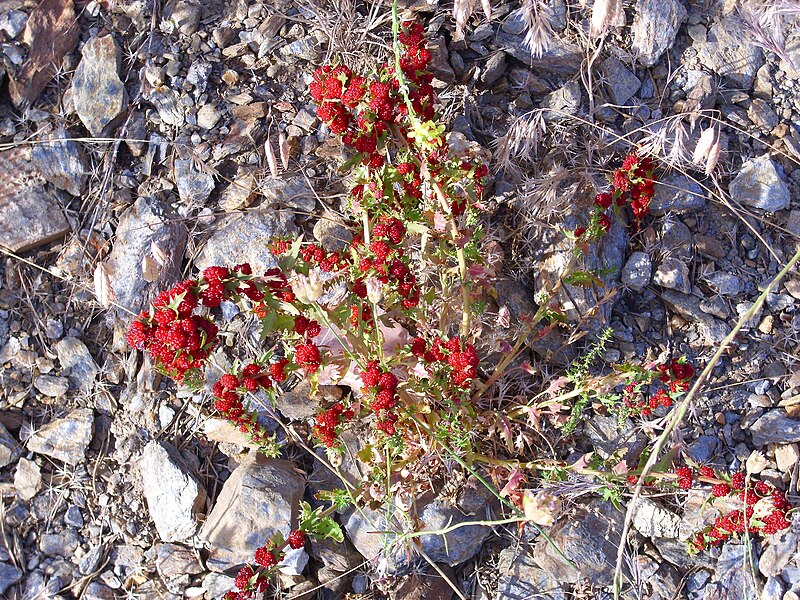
<point>114,485</point>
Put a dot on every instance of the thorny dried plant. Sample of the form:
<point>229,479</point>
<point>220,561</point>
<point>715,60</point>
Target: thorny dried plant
<point>766,22</point>
<point>462,11</point>
<point>539,32</point>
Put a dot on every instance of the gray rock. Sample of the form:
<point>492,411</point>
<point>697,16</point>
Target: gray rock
<point>677,193</point>
<point>73,517</point>
<point>244,238</point>
<point>775,427</point>
<point>97,591</point>
<point>173,560</point>
<point>676,239</point>
<point>65,439</point>
<point>589,538</point>
<point>10,450</point>
<point>149,226</point>
<point>208,116</point>
<point>27,479</point>
<point>561,57</point>
<point>29,215</point>
<point>730,580</point>
<point>77,363</point>
<point>637,271</point>
<point>63,543</point>
<point>297,403</point>
<point>566,99</point>
<point>61,162</point>
<point>673,274</point>
<point>655,27</point>
<point>495,68</point>
<point>185,16</point>
<point>174,496</point>
<point>97,91</point>
<point>90,561</point>
<point>265,494</point>
<point>761,184</point>
<point>689,307</point>
<point>729,53</point>
<point>782,548</point>
<point>621,83</point>
<point>773,589</point>
<point>198,73</point>
<point>8,576</point>
<point>305,48</point>
<point>12,23</point>
<point>216,585</point>
<point>440,65</point>
<point>332,234</point>
<point>242,190</point>
<point>704,450</point>
<point>51,385</point>
<point>762,115</point>
<point>725,284</point>
<point>294,192</point>
<point>521,578</point>
<point>194,185</point>
<point>452,548</point>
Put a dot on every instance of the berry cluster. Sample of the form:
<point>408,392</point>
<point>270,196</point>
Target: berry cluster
<point>328,421</point>
<point>676,375</point>
<point>764,509</point>
<point>632,184</point>
<point>229,391</point>
<point>382,388</point>
<point>176,339</point>
<point>453,364</point>
<point>250,581</point>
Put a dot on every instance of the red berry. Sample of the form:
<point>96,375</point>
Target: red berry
<point>297,539</point>
<point>720,490</point>
<point>684,477</point>
<point>265,558</point>
<point>738,481</point>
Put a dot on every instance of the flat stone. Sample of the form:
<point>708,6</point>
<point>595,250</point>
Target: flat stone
<point>27,479</point>
<point>761,184</point>
<point>654,521</point>
<point>676,240</point>
<point>10,450</point>
<point>689,307</point>
<point>52,386</point>
<point>621,83</point>
<point>66,438</point>
<point>775,427</point>
<point>263,493</point>
<point>677,193</point>
<point>242,189</point>
<point>730,580</point>
<point>780,551</point>
<point>194,185</point>
<point>589,538</point>
<point>149,228</point>
<point>521,578</point>
<point>673,274</point>
<point>97,591</point>
<point>174,496</point>
<point>173,560</point>
<point>13,22</point>
<point>426,586</point>
<point>332,234</point>
<point>729,53</point>
<point>723,283</point>
<point>561,57</point>
<point>97,91</point>
<point>61,162</point>
<point>63,543</point>
<point>77,363</point>
<point>9,575</point>
<point>637,271</point>
<point>362,527</point>
<point>293,192</point>
<point>244,238</point>
<point>208,116</point>
<point>654,28</point>
<point>787,456</point>
<point>29,215</point>
<point>762,115</point>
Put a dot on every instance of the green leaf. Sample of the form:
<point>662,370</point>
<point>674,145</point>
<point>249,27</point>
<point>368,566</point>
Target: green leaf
<point>324,527</point>
<point>583,279</point>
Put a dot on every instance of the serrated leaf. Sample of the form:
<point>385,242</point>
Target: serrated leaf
<point>583,279</point>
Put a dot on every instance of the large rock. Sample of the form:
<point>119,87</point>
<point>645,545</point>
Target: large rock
<point>173,495</point>
<point>9,575</point>
<point>761,184</point>
<point>655,27</point>
<point>677,193</point>
<point>66,438</point>
<point>521,578</point>
<point>622,83</point>
<point>775,427</point>
<point>294,192</point>
<point>194,184</point>
<point>97,91</point>
<point>589,538</point>
<point>147,230</point>
<point>729,53</point>
<point>561,57</point>
<point>29,215</point>
<point>260,497</point>
<point>245,238</point>
<point>731,580</point>
<point>61,162</point>
<point>364,524</point>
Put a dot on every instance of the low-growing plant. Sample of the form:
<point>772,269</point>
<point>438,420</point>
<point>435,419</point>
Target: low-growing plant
<point>393,317</point>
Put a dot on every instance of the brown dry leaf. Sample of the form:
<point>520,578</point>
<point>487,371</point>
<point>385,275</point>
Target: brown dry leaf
<point>487,9</point>
<point>102,285</point>
<point>150,269</point>
<point>158,254</point>
<point>283,148</point>
<point>462,10</point>
<point>51,33</point>
<point>541,508</point>
<point>271,160</point>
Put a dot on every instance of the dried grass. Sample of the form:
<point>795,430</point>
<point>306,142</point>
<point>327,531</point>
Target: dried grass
<point>767,21</point>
